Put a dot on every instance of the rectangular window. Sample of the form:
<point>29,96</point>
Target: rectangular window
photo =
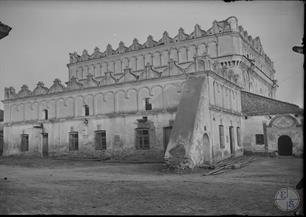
<point>238,137</point>
<point>24,142</point>
<point>148,105</point>
<point>259,139</point>
<point>100,139</point>
<point>221,136</point>
<point>73,141</point>
<point>86,110</point>
<point>142,139</point>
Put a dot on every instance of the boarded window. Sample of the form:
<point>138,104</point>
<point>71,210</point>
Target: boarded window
<point>24,142</point>
<point>259,139</point>
<point>142,139</point>
<point>73,141</point>
<point>221,136</point>
<point>238,136</point>
<point>100,140</point>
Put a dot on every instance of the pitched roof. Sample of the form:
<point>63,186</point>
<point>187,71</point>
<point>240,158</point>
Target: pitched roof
<point>4,30</point>
<point>255,105</point>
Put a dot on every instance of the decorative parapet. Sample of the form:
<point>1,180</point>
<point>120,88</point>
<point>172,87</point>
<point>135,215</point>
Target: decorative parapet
<point>228,25</point>
<point>90,81</point>
<point>9,93</point>
<point>73,84</point>
<point>24,91</point>
<point>56,87</point>
<point>200,63</point>
<point>256,45</point>
<point>40,89</point>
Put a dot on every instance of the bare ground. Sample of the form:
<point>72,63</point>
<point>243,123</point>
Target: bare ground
<point>49,186</point>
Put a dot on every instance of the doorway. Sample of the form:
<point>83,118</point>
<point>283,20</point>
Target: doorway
<point>232,139</point>
<point>284,145</point>
<point>167,133</point>
<point>45,144</point>
<point>206,148</point>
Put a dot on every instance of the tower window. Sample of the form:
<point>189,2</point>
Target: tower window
<point>86,110</point>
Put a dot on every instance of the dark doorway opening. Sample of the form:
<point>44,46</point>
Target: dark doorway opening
<point>232,139</point>
<point>167,133</point>
<point>45,144</point>
<point>284,145</point>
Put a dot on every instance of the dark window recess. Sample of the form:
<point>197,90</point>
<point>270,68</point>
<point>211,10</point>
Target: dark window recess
<point>142,139</point>
<point>259,139</point>
<point>24,142</point>
<point>46,114</point>
<point>86,110</point>
<point>221,136</point>
<point>73,141</point>
<point>148,105</point>
<point>238,136</point>
<point>100,140</point>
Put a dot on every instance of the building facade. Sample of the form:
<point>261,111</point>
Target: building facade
<point>178,98</point>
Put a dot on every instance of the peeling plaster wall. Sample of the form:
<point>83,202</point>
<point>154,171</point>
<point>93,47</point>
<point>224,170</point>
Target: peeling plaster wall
<point>227,120</point>
<point>183,136</point>
<point>251,126</point>
<point>295,133</point>
<point>58,136</point>
<point>254,125</point>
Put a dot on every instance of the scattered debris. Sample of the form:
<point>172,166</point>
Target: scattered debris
<point>230,163</point>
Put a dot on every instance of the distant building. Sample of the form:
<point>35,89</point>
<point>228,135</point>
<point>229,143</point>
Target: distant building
<point>4,30</point>
<point>180,98</point>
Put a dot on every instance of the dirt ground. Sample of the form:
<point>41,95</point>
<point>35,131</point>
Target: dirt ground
<point>53,186</point>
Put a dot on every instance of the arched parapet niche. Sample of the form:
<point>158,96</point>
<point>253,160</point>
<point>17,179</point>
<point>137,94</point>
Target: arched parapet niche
<point>202,49</point>
<point>69,105</point>
<point>79,105</point>
<point>33,112</point>
<point>120,96</point>
<point>172,94</point>
<point>212,48</point>
<point>28,110</point>
<point>60,110</point>
<point>108,102</point>
<point>52,109</point>
<point>17,112</point>
<point>174,54</point>
<point>182,54</point>
<point>191,53</point>
<point>98,101</point>
<point>43,105</point>
<point>157,98</point>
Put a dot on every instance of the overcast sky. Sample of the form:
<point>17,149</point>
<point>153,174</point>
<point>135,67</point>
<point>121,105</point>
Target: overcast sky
<point>45,32</point>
